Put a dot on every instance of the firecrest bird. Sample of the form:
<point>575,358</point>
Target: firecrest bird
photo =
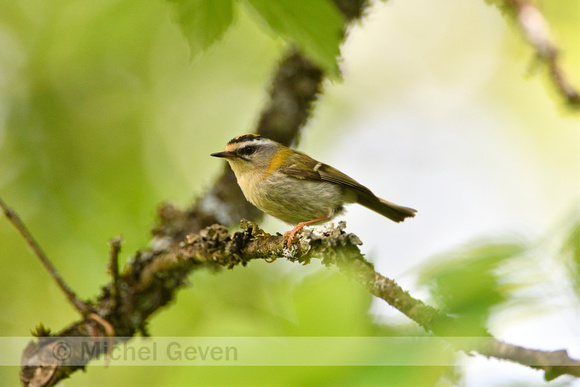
<point>293,187</point>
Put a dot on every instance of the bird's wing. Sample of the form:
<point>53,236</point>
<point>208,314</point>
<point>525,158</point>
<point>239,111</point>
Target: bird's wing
<point>302,166</point>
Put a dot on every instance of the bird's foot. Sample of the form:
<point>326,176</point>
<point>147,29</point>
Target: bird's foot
<point>292,233</point>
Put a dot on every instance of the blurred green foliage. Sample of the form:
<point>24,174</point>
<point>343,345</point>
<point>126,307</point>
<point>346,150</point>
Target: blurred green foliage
<point>204,22</point>
<point>571,254</point>
<point>315,26</point>
<point>486,277</point>
<point>466,283</point>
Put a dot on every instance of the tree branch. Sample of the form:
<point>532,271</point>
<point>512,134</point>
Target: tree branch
<point>146,285</point>
<point>76,302</point>
<point>537,33</point>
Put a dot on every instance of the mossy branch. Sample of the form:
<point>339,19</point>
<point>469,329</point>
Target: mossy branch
<point>151,279</point>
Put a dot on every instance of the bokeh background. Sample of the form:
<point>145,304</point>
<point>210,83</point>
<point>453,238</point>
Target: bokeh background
<point>105,113</point>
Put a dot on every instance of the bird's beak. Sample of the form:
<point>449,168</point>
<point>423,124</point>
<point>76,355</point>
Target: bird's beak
<point>225,155</point>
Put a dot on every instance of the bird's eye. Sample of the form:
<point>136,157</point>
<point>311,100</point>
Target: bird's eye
<point>247,150</point>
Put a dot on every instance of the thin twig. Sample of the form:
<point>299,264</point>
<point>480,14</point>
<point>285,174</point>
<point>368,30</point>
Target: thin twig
<point>13,217</point>
<point>109,332</point>
<point>537,33</point>
<point>115,245</point>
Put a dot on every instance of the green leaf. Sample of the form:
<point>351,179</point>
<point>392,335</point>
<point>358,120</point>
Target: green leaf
<point>315,26</point>
<point>466,284</point>
<point>203,22</point>
<point>571,249</point>
<point>506,8</point>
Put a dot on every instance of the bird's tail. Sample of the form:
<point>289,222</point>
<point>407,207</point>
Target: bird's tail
<point>391,210</point>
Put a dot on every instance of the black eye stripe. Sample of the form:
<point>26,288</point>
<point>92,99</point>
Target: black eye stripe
<point>246,150</point>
